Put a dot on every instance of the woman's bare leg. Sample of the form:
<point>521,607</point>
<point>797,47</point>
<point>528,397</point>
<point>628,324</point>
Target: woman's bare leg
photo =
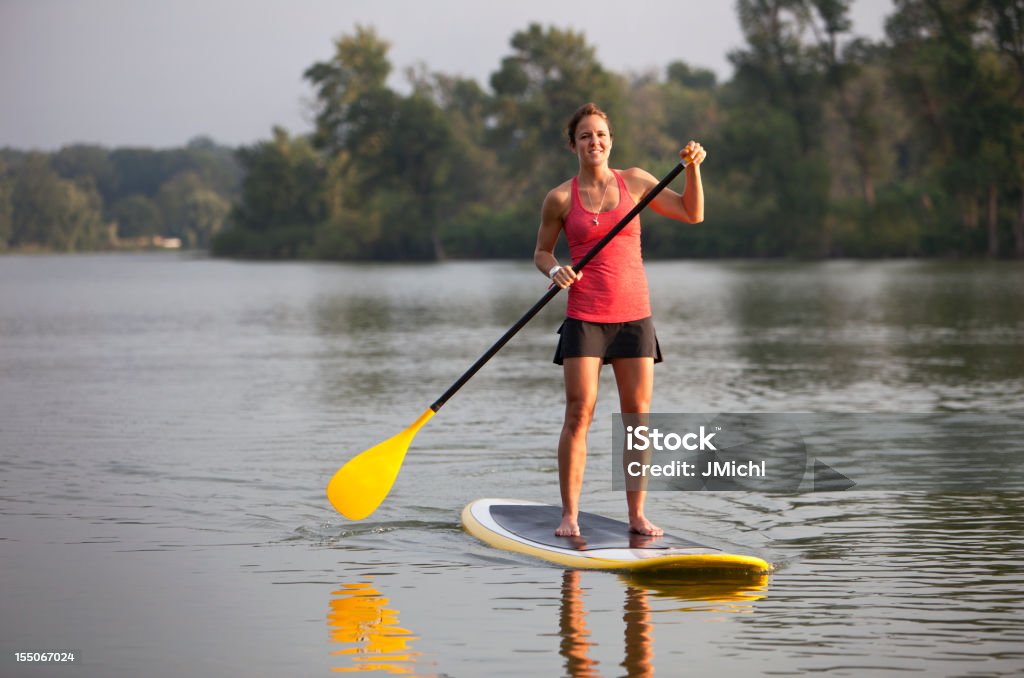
<point>635,380</point>
<point>581,382</point>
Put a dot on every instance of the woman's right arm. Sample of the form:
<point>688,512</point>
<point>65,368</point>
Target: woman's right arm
<point>552,219</point>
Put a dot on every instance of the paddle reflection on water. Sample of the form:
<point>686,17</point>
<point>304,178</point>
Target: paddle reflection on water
<point>732,595</point>
<point>359,617</point>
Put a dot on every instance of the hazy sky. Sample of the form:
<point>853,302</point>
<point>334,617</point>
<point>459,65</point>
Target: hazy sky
<point>160,72</point>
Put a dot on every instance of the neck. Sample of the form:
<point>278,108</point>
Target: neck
<point>598,174</point>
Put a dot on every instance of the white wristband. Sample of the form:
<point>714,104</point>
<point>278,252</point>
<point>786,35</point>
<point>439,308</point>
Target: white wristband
<point>553,270</point>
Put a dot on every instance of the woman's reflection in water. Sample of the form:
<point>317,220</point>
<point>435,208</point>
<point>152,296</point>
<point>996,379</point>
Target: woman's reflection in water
<point>639,633</point>
<point>701,594</point>
<point>572,622</point>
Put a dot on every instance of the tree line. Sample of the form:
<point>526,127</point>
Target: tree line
<point>821,144</point>
<point>85,197</point>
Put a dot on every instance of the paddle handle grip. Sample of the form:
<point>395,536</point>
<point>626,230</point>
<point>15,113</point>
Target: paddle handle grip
<point>555,289</point>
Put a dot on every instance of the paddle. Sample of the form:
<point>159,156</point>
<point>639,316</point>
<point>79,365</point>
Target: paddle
<point>358,488</point>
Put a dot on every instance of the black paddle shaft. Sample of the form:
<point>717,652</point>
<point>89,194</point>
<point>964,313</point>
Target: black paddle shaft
<point>555,289</point>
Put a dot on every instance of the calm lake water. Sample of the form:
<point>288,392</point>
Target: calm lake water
<point>168,425</point>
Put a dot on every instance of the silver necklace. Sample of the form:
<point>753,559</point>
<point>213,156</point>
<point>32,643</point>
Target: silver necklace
<point>597,212</point>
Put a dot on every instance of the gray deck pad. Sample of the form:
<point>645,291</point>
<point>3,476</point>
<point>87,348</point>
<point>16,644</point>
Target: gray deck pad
<point>537,524</point>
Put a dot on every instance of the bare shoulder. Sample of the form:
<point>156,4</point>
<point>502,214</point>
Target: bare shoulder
<point>638,181</point>
<point>558,201</point>
<point>639,177</point>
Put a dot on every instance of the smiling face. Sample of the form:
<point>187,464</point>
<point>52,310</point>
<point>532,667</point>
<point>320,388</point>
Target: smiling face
<point>592,141</point>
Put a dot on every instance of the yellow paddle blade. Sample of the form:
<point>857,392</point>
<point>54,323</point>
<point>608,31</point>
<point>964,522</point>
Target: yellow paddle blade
<point>358,488</point>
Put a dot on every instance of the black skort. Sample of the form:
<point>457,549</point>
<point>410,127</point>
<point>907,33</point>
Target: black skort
<point>633,339</point>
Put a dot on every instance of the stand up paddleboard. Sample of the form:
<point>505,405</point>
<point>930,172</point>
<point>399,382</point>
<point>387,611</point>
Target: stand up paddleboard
<point>604,544</point>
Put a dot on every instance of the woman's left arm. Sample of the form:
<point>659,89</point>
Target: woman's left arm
<point>688,207</point>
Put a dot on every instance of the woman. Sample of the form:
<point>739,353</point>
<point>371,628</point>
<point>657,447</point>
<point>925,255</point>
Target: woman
<point>608,316</point>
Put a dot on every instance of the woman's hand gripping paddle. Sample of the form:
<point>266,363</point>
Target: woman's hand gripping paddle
<point>358,488</point>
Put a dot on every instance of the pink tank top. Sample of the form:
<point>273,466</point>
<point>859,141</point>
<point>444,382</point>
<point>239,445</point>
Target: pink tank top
<point>613,288</point>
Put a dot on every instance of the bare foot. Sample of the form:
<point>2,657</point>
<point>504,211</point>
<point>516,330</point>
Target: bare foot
<point>641,525</point>
<point>568,528</point>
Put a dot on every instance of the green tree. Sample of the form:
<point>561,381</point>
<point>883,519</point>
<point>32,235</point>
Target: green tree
<point>282,202</point>
<point>690,77</point>
<point>550,73</point>
<point>81,161</point>
<point>54,213</point>
<point>821,144</point>
<point>352,100</point>
<point>653,119</point>
<point>419,159</point>
<point>350,226</point>
<point>136,216</point>
<point>475,215</point>
<point>778,69</point>
<point>355,113</point>
<point>172,199</point>
<point>663,114</point>
<point>138,171</point>
<point>851,99</point>
<point>398,167</point>
<point>216,165</point>
<point>953,63</point>
<point>6,208</point>
<point>190,209</point>
<point>1004,21</point>
<point>204,216</point>
<point>771,133</point>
